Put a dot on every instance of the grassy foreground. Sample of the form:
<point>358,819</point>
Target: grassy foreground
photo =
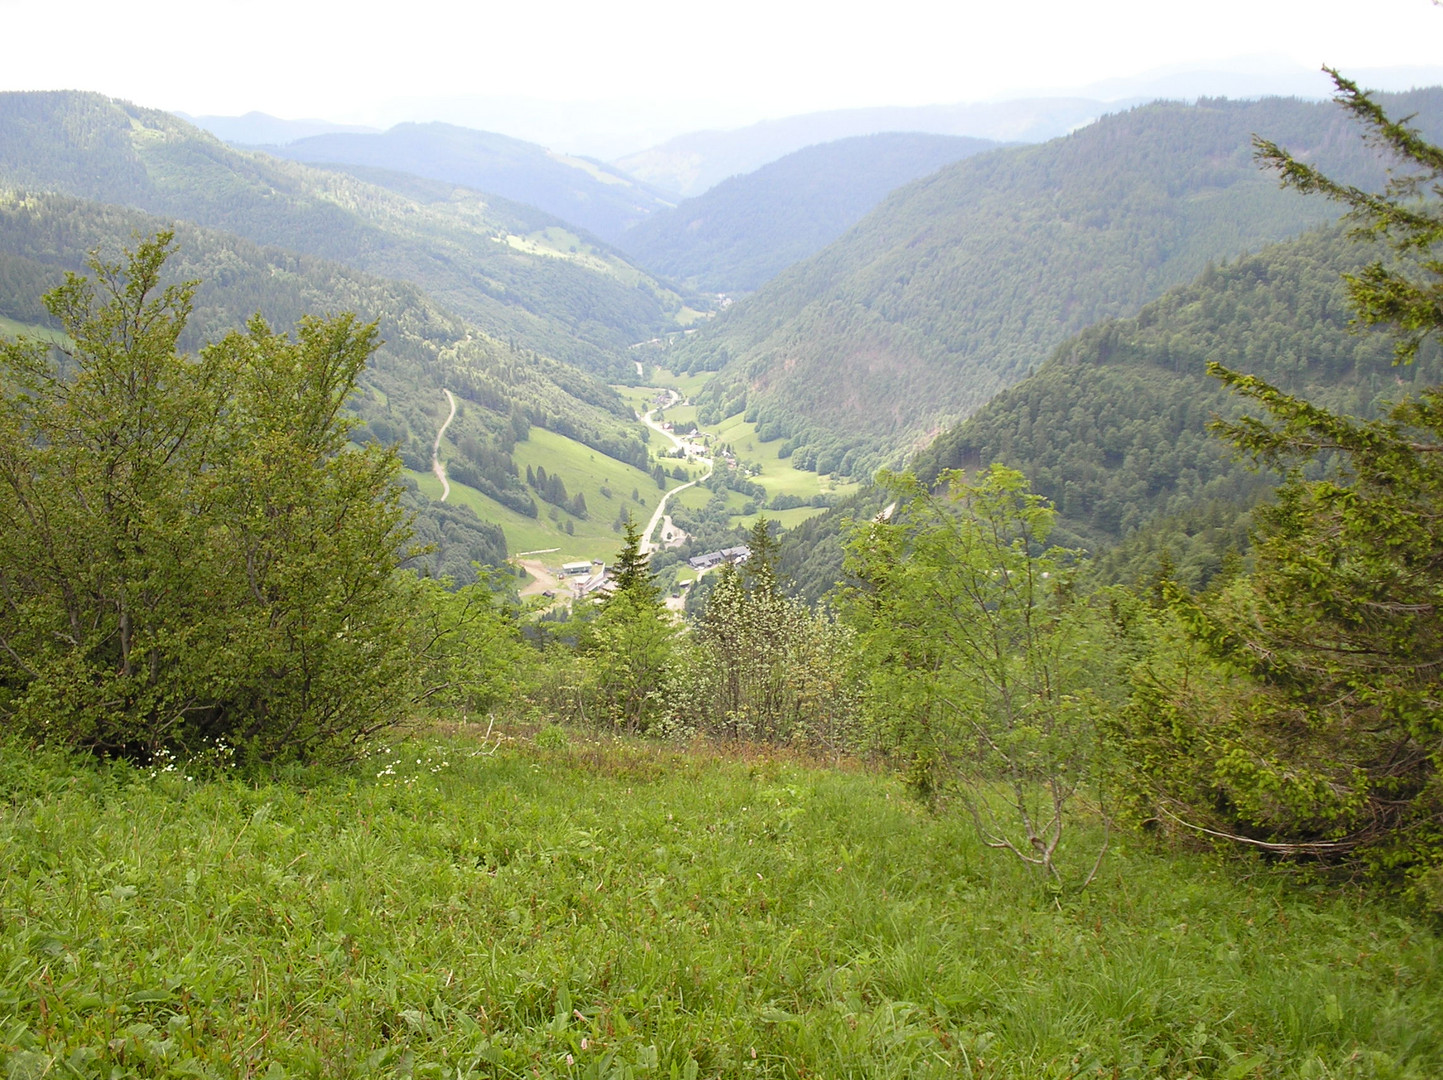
<point>605,909</point>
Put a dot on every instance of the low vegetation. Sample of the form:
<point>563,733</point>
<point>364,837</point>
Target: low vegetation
<point>568,905</point>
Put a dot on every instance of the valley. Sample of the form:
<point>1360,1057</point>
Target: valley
<point>918,591</point>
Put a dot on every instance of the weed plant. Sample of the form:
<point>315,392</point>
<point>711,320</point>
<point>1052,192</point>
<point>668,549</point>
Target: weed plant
<point>587,908</point>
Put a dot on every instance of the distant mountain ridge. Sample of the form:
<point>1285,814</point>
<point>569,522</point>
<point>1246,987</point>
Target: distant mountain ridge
<point>747,229</point>
<point>515,272</point>
<point>690,164</point>
<point>959,284</point>
<point>592,195</point>
<point>256,128</point>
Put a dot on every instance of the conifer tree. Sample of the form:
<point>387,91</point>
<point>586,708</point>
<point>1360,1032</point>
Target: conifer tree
<point>761,568</point>
<point>1322,734</point>
<point>634,639</point>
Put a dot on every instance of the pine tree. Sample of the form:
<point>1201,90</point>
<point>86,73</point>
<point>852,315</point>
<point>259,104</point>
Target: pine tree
<point>760,571</point>
<point>632,570</point>
<point>634,639</point>
<point>1323,734</point>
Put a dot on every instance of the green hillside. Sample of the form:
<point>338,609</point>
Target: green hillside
<point>475,257</point>
<point>749,228</point>
<point>567,906</point>
<point>594,196</point>
<point>959,285</point>
<point>505,393</point>
<point>1113,428</point>
<point>609,489</point>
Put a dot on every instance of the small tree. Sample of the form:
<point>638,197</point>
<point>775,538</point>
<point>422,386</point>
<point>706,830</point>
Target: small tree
<point>983,669</point>
<point>761,666</point>
<point>466,646</point>
<point>764,555</point>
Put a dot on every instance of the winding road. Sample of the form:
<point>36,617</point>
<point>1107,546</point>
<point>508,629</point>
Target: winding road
<point>436,466</point>
<point>647,547</point>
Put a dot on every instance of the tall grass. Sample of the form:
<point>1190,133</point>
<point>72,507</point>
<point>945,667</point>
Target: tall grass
<point>599,909</point>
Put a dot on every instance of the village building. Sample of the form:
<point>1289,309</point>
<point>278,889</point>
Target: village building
<point>712,559</point>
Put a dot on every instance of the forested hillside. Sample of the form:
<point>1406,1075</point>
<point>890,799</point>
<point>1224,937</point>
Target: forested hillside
<point>959,285</point>
<point>1113,429</point>
<point>747,229</point>
<point>594,196</point>
<point>516,273</point>
<point>503,389</point>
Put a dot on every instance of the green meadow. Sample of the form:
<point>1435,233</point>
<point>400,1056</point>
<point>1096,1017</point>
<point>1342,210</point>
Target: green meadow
<point>582,469</point>
<point>553,905</point>
<point>11,329</point>
<point>777,476</point>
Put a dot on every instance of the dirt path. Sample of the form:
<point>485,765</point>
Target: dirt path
<point>436,466</point>
<point>545,580</point>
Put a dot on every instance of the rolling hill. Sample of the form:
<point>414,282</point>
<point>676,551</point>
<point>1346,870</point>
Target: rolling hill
<point>597,197</point>
<point>515,272</point>
<point>746,230</point>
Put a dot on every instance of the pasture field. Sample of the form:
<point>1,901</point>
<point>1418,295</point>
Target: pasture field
<point>561,905</point>
<point>778,476</point>
<point>688,385</point>
<point>583,469</point>
<point>11,329</point>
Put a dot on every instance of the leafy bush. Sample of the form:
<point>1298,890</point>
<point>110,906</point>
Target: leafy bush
<point>190,551</point>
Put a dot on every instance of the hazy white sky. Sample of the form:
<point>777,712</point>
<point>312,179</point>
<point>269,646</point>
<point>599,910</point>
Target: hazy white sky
<point>685,64</point>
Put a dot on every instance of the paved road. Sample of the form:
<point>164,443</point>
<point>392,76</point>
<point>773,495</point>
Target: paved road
<point>436,466</point>
<point>647,547</point>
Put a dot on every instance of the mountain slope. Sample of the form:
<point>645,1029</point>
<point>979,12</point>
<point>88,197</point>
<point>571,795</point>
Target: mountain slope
<point>514,272</point>
<point>596,197</point>
<point>747,229</point>
<point>960,284</point>
<point>426,349</point>
<point>690,164</point>
<point>1113,428</point>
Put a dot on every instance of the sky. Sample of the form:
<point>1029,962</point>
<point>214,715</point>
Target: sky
<point>639,70</point>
